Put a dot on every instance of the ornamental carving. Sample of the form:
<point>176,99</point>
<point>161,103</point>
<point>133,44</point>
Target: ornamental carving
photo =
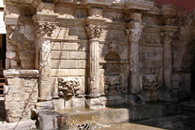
<point>167,37</point>
<point>113,85</point>
<point>68,86</point>
<point>95,12</point>
<point>150,82</point>
<point>45,51</point>
<point>94,31</point>
<point>112,46</point>
<point>46,28</point>
<point>134,34</point>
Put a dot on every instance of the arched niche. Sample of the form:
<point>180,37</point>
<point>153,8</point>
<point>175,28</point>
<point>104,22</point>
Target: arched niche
<point>112,71</point>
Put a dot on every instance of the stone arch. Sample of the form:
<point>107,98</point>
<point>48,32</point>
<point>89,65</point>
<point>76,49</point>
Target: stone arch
<point>112,65</point>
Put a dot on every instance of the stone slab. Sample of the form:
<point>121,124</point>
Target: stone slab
<point>22,125</point>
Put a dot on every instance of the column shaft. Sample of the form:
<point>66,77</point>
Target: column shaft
<point>45,67</point>
<point>94,69</point>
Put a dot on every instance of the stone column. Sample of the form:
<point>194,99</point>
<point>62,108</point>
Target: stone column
<point>168,30</point>
<point>134,31</point>
<point>94,32</point>
<point>44,68</point>
<point>43,58</point>
<point>45,19</point>
<point>167,57</point>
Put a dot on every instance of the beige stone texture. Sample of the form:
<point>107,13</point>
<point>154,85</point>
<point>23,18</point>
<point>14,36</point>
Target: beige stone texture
<point>21,95</point>
<point>119,49</point>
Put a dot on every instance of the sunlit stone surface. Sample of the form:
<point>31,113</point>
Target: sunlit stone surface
<point>92,54</point>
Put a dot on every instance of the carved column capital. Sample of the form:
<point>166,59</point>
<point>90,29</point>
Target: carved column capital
<point>133,34</point>
<point>94,31</point>
<point>167,37</point>
<point>134,30</point>
<point>45,28</point>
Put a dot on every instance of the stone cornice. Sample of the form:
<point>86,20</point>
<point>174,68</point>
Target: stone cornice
<point>116,4</point>
<point>21,73</point>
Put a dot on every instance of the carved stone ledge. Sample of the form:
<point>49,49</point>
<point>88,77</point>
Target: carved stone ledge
<point>168,11</point>
<point>122,4</point>
<point>139,4</point>
<point>21,73</point>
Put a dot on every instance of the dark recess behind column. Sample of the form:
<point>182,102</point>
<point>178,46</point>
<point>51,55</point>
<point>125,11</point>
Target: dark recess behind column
<point>3,50</point>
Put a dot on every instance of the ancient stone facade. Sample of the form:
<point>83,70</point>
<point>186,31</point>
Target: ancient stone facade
<point>93,53</point>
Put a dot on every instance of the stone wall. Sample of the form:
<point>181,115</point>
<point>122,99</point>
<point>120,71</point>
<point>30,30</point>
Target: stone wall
<point>21,94</point>
<point>20,37</point>
<point>94,54</point>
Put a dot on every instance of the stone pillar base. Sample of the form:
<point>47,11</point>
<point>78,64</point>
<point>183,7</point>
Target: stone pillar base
<point>75,102</point>
<point>94,103</point>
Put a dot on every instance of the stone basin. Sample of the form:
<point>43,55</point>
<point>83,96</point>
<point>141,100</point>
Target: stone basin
<point>71,118</point>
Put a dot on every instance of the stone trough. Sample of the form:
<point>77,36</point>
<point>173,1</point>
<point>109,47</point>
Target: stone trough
<point>71,119</point>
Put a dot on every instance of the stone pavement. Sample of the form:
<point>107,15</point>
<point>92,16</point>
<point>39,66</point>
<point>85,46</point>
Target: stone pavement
<point>129,126</point>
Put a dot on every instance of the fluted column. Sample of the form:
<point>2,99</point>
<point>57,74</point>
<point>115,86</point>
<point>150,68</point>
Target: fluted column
<point>134,31</point>
<point>94,33</point>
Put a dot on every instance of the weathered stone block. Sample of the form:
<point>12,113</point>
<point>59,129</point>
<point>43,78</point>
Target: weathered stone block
<point>95,103</point>
<point>14,64</point>
<point>58,104</point>
<point>45,105</point>
<point>55,64</point>
<point>77,72</point>
<point>78,55</point>
<point>27,55</point>
<point>28,64</point>
<point>60,72</point>
<point>69,46</point>
<point>82,64</point>
<point>10,54</point>
<point>22,94</point>
<point>68,64</point>
<point>78,102</point>
<point>55,46</point>
<point>59,55</point>
<point>11,19</point>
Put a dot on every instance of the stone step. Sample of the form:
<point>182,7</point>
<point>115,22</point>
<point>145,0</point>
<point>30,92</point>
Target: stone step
<point>70,119</point>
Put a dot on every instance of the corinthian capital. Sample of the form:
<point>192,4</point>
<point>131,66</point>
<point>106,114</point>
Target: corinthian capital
<point>167,37</point>
<point>46,28</point>
<point>94,32</point>
<point>133,34</point>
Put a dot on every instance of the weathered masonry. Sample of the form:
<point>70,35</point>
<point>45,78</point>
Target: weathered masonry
<point>65,54</point>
